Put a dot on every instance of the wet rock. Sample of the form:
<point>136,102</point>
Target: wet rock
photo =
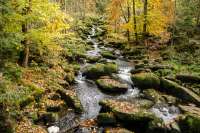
<point>146,80</point>
<point>106,119</point>
<point>188,78</point>
<point>71,100</point>
<point>127,112</point>
<point>108,55</point>
<point>117,130</point>
<point>97,70</point>
<point>181,92</point>
<point>111,85</point>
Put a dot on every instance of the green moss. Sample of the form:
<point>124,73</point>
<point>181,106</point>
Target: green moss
<point>106,119</point>
<point>146,80</point>
<point>91,59</point>
<point>191,124</point>
<point>181,92</point>
<point>108,54</point>
<point>97,70</point>
<point>70,77</point>
<point>127,112</point>
<point>151,94</point>
<point>26,101</point>
<point>111,85</point>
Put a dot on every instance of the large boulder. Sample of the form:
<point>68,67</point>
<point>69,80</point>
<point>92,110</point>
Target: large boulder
<point>127,113</point>
<point>188,78</point>
<point>158,97</point>
<point>179,91</point>
<point>108,84</point>
<point>93,59</point>
<point>108,55</point>
<point>146,80</point>
<point>97,70</point>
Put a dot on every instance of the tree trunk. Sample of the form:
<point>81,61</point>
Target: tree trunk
<point>129,16</point>
<point>145,19</point>
<point>174,24</point>
<point>25,42</point>
<point>135,22</point>
<point>26,54</point>
<point>198,14</point>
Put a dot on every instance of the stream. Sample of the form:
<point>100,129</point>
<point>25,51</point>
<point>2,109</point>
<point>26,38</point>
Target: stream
<point>89,94</point>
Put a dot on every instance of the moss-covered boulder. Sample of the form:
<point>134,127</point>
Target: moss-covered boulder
<point>126,112</point>
<point>152,95</point>
<point>97,70</point>
<point>146,80</point>
<point>93,59</point>
<point>191,122</point>
<point>71,100</point>
<point>188,78</point>
<point>106,119</point>
<point>116,130</point>
<point>108,55</point>
<point>108,84</point>
<point>158,126</point>
<point>179,91</point>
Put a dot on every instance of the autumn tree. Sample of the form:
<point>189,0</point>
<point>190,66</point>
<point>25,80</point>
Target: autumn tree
<point>147,17</point>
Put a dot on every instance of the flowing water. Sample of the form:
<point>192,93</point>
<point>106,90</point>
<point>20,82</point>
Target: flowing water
<point>90,95</point>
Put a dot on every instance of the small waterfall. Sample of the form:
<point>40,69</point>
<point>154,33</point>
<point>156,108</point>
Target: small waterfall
<point>166,112</point>
<point>96,51</point>
<point>125,75</point>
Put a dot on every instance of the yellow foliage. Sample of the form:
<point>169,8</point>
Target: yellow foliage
<point>159,16</point>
